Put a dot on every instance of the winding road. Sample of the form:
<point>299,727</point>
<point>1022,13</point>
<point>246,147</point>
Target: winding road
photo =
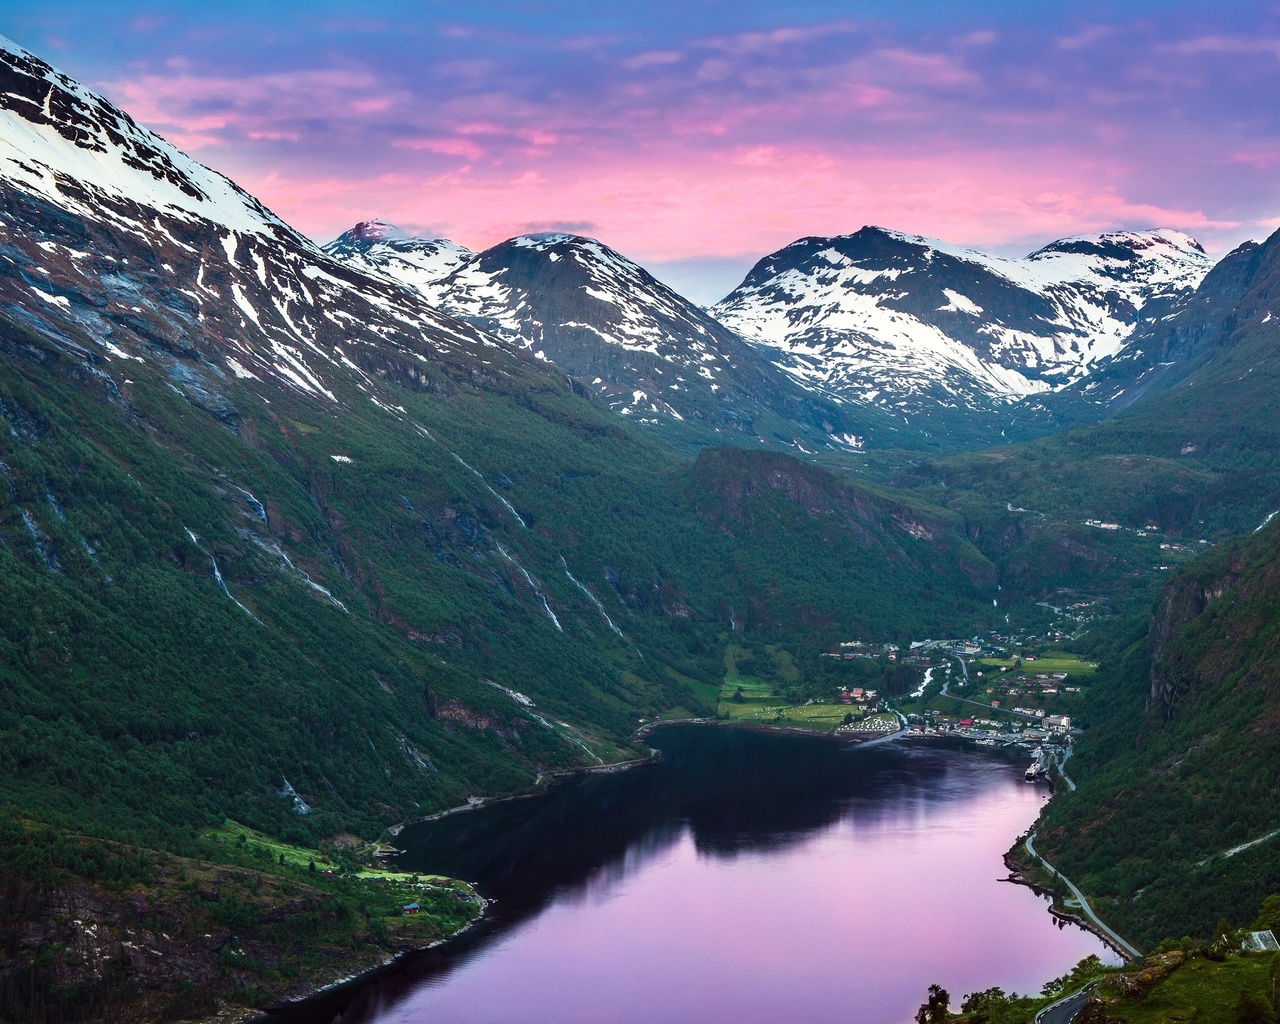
<point>1065,1009</point>
<point>1120,944</point>
<point>1062,769</point>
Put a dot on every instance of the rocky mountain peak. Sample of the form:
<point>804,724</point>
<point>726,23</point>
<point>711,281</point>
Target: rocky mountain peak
<point>65,143</point>
<point>920,326</point>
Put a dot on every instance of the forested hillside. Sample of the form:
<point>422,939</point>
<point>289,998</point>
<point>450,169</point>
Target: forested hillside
<point>1180,762</point>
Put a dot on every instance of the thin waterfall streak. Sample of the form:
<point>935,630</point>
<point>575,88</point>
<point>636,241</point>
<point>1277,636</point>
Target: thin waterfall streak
<point>217,575</point>
<point>533,585</point>
<point>485,484</point>
<point>594,600</point>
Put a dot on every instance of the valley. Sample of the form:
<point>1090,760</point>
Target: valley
<point>301,545</point>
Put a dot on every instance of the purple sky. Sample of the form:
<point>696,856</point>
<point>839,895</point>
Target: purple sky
<point>697,136</point>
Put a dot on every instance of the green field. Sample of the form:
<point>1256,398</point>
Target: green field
<point>811,716</point>
<point>755,690</point>
<point>1199,990</point>
<point>1055,661</point>
<point>767,700</point>
<point>235,834</point>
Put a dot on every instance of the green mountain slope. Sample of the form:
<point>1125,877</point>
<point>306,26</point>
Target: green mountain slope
<point>281,542</point>
<point>1180,763</point>
<point>368,596</point>
<point>1191,449</point>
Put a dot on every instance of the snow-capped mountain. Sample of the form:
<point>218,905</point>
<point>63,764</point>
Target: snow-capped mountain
<point>603,320</point>
<point>383,249</point>
<point>1234,299</point>
<point>115,246</point>
<point>911,323</point>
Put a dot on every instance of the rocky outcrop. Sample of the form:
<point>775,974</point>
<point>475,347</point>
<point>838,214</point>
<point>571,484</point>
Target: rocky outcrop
<point>1183,601</point>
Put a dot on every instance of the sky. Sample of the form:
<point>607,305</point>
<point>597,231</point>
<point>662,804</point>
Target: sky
<point>697,136</point>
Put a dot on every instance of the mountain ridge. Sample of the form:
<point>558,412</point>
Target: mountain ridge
<point>920,327</point>
<point>644,350</point>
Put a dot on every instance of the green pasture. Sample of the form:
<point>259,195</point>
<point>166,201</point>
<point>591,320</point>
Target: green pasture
<point>753,690</point>
<point>812,716</point>
<point>233,833</point>
<point>1056,661</point>
<point>1199,990</point>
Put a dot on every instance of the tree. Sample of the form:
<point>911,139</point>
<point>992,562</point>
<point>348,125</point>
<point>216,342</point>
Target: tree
<point>981,1006</point>
<point>1268,915</point>
<point>936,1008</point>
<point>1225,938</point>
<point>1273,979</point>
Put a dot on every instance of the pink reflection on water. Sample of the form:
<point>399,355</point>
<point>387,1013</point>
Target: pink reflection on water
<point>849,923</point>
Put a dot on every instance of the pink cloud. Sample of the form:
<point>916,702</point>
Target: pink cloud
<point>662,210</point>
<point>372,105</point>
<point>929,68</point>
<point>757,42</point>
<point>444,147</point>
<point>254,103</point>
<point>537,138</point>
<point>1261,159</point>
<point>146,23</point>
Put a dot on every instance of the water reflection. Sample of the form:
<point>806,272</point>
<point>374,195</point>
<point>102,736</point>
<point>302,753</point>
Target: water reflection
<point>740,856</point>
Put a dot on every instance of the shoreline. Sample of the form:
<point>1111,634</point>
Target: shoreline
<point>545,779</point>
<point>264,1014</point>
<point>1016,877</point>
<point>737,723</point>
<point>541,785</point>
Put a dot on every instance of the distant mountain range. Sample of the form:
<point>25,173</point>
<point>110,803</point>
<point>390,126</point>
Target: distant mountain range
<point>918,326</point>
<point>956,344</point>
<point>625,337</point>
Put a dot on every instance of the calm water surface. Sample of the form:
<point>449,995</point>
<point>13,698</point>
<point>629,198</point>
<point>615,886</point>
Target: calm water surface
<point>746,878</point>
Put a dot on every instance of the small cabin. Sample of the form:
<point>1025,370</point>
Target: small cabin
<point>411,908</point>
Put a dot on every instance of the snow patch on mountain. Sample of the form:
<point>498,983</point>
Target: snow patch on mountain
<point>644,349</point>
<point>905,321</point>
<point>115,246</point>
<point>383,249</point>
<point>61,141</point>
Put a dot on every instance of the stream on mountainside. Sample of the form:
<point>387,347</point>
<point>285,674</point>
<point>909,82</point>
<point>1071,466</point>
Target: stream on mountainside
<point>746,876</point>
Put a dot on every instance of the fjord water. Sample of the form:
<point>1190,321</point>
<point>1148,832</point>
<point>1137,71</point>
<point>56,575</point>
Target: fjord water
<point>746,877</point>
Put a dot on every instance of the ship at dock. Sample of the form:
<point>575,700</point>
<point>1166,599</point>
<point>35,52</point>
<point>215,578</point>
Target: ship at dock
<point>1038,768</point>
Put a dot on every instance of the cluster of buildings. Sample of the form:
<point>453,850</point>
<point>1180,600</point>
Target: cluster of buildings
<point>850,649</point>
<point>1050,729</point>
<point>856,695</point>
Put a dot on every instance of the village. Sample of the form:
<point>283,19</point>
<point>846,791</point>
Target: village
<point>1013,689</point>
